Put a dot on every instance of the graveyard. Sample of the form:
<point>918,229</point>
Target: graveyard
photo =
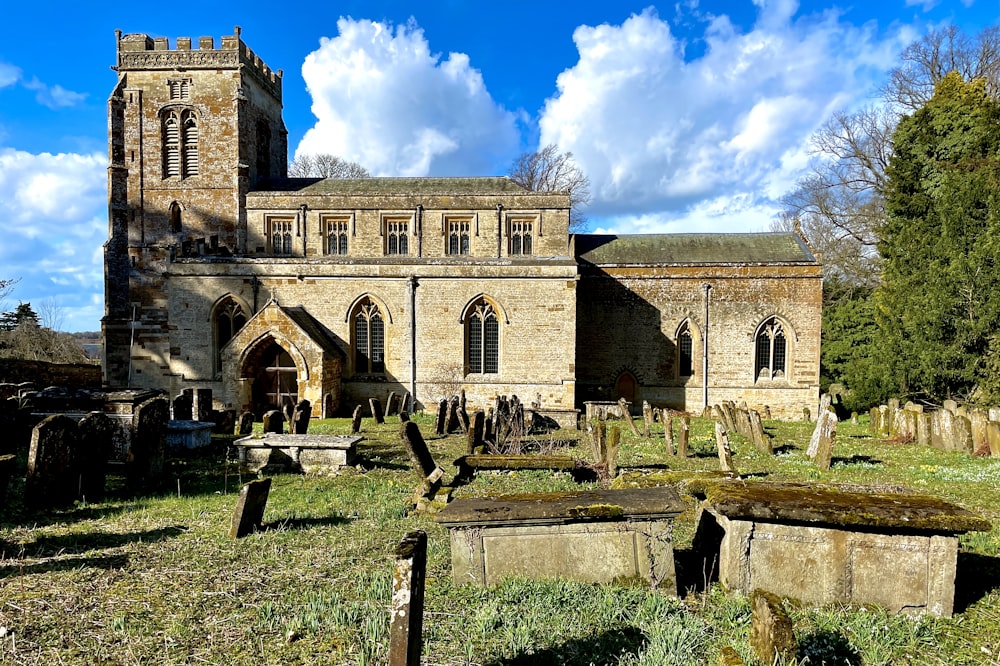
<point>153,573</point>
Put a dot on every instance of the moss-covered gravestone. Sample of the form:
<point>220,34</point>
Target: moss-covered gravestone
<point>53,464</point>
<point>249,513</point>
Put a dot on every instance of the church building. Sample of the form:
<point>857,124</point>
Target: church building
<point>221,272</point>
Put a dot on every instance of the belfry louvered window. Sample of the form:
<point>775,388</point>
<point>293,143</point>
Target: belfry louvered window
<point>369,339</point>
<point>483,339</point>
<point>180,144</point>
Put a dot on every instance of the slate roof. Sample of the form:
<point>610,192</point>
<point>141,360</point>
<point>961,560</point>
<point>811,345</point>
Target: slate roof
<point>648,249</point>
<point>390,186</point>
<point>315,330</point>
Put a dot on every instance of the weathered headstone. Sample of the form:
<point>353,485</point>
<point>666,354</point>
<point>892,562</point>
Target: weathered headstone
<point>771,637</point>
<point>249,512</point>
<point>404,416</point>
<point>725,453</point>
<point>202,404</point>
<point>682,436</point>
<point>623,405</point>
<point>183,406</point>
<point>423,463</point>
<point>924,429</point>
<point>392,404</point>
<point>963,435</point>
<point>893,404</point>
<point>993,438</point>
<point>761,439</point>
<point>647,418</point>
<point>300,419</point>
<point>475,434</point>
<point>820,449</point>
<point>950,405</point>
<point>96,432</point>
<point>406,611</point>
<point>53,469</point>
<point>453,424</point>
<point>147,451</point>
<point>8,463</point>
<point>806,415</point>
<point>874,416</point>
<point>376,406</point>
<point>441,423</point>
<point>246,424</point>
<point>668,430</point>
<point>274,421</point>
<point>356,420</point>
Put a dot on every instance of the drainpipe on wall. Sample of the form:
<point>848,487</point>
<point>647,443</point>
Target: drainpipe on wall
<point>499,229</point>
<point>302,226</point>
<point>131,344</point>
<point>419,224</point>
<point>704,352</point>
<point>413,343</point>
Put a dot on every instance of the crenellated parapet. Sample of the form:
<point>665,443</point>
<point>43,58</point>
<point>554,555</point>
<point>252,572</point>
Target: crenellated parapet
<point>138,51</point>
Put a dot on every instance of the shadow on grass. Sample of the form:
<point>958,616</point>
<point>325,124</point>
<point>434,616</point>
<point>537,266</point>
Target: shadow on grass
<point>785,448</point>
<point>975,577</point>
<point>15,514</point>
<point>64,564</point>
<point>608,647</point>
<point>303,523</point>
<point>827,647</point>
<point>855,460</point>
<point>48,546</point>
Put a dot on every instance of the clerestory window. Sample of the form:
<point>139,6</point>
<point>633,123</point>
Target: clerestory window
<point>459,241</point>
<point>279,234</point>
<point>396,236</point>
<point>770,350</point>
<point>520,237</point>
<point>336,235</point>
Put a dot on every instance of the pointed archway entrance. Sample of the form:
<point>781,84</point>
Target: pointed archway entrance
<point>275,379</point>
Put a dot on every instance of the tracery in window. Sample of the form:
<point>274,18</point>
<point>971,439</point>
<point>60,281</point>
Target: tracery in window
<point>279,235</point>
<point>458,236</point>
<point>482,336</point>
<point>770,350</point>
<point>520,237</point>
<point>685,351</point>
<point>369,338</point>
<point>396,236</point>
<point>336,235</point>
<point>228,320</point>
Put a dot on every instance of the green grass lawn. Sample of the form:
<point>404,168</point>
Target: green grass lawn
<point>155,580</point>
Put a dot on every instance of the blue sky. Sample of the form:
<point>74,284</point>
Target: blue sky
<point>688,116</point>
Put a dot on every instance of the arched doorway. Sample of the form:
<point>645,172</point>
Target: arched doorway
<point>275,380</point>
<point>625,387</point>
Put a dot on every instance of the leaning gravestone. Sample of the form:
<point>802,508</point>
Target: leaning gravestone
<point>760,438</point>
<point>820,449</point>
<point>441,423</point>
<point>249,513</point>
<point>668,430</point>
<point>274,421</point>
<point>453,424</point>
<point>725,453</point>
<point>623,406</point>
<point>96,432</point>
<point>423,463</point>
<point>376,406</point>
<point>146,456</point>
<point>356,420</point>
<point>392,404</point>
<point>406,613</point>
<point>246,424</point>
<point>300,419</point>
<point>475,434</point>
<point>771,636</point>
<point>53,471</point>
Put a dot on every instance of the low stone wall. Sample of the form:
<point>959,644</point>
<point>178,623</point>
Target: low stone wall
<point>42,374</point>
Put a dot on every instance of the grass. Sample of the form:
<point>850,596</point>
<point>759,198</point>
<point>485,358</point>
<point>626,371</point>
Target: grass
<point>155,580</point>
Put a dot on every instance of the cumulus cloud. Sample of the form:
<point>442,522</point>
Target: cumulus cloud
<point>384,100</point>
<point>713,140</point>
<point>55,208</point>
<point>54,97</point>
<point>9,74</point>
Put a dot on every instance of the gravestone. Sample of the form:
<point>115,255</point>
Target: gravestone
<point>950,405</point>
<point>8,464</point>
<point>376,406</point>
<point>183,406</point>
<point>225,421</point>
<point>993,438</point>
<point>820,449</point>
<point>761,439</point>
<point>356,420</point>
<point>249,512</point>
<point>682,436</point>
<point>406,611</point>
<point>147,451</point>
<point>647,418</point>
<point>475,434</point>
<point>725,453</point>
<point>441,423</point>
<point>423,463</point>
<point>668,430</point>
<point>274,421</point>
<point>53,468</point>
<point>627,415</point>
<point>392,404</point>
<point>806,415</point>
<point>300,419</point>
<point>96,432</point>
<point>963,435</point>
<point>245,424</point>
<point>202,405</point>
<point>767,413</point>
<point>771,637</point>
<point>453,423</point>
<point>874,416</point>
<point>404,416</point>
<point>924,428</point>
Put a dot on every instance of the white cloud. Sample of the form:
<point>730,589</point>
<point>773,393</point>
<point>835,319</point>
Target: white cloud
<point>54,97</point>
<point>55,209</point>
<point>382,99</point>
<point>9,74</point>
<point>720,134</point>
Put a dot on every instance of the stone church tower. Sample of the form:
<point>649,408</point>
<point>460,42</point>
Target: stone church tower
<point>191,131</point>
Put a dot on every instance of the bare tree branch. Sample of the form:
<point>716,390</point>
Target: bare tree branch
<point>548,170</point>
<point>325,165</point>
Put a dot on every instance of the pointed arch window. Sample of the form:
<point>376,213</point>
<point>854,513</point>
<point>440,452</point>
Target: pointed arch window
<point>180,143</point>
<point>175,217</point>
<point>229,319</point>
<point>369,338</point>
<point>685,351</point>
<point>483,339</point>
<point>770,350</point>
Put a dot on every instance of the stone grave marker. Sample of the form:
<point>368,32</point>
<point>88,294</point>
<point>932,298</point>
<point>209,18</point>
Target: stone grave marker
<point>376,406</point>
<point>406,611</point>
<point>475,434</point>
<point>453,424</point>
<point>668,430</point>
<point>771,637</point>
<point>274,421</point>
<point>623,406</point>
<point>250,505</point>
<point>8,464</point>
<point>404,416</point>
<point>300,419</point>
<point>96,432</point>
<point>682,436</point>
<point>183,407</point>
<point>441,423</point>
<point>392,404</point>
<point>423,463</point>
<point>820,449</point>
<point>202,404</point>
<point>647,418</point>
<point>147,452</point>
<point>950,405</point>
<point>761,439</point>
<point>963,434</point>
<point>356,420</point>
<point>53,469</point>
<point>725,453</point>
<point>245,424</point>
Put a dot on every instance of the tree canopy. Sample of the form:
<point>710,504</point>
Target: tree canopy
<point>548,170</point>
<point>325,165</point>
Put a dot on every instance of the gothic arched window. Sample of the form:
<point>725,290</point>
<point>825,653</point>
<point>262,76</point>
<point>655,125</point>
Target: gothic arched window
<point>369,338</point>
<point>482,339</point>
<point>180,143</point>
<point>770,350</point>
<point>228,320</point>
<point>685,351</point>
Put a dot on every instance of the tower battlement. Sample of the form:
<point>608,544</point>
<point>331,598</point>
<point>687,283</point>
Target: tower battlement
<point>139,51</point>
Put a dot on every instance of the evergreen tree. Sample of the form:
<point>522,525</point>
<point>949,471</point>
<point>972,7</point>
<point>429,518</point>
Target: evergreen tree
<point>23,314</point>
<point>940,296</point>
